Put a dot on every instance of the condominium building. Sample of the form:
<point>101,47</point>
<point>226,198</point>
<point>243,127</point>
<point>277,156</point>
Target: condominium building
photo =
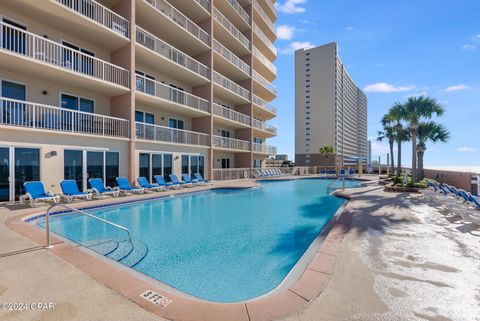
<point>134,88</point>
<point>329,110</point>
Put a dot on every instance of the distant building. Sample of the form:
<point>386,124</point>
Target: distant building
<point>329,109</point>
<point>369,153</point>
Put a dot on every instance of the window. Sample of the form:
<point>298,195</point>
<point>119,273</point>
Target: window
<point>308,139</point>
<point>12,39</point>
<point>81,63</point>
<point>144,165</point>
<point>257,163</point>
<point>225,162</point>
<point>307,97</point>
<point>225,133</point>
<point>144,117</point>
<point>167,166</point>
<point>77,103</point>
<point>27,167</point>
<point>145,83</point>
<point>176,123</point>
<point>177,94</point>
<point>14,113</point>
<point>185,163</point>
<point>257,140</point>
<point>307,124</point>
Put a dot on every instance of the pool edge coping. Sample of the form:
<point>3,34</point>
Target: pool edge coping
<point>280,302</point>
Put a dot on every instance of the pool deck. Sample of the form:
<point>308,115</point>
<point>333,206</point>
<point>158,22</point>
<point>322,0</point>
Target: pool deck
<point>387,258</point>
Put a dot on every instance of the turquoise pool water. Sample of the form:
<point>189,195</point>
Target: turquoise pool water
<point>221,245</point>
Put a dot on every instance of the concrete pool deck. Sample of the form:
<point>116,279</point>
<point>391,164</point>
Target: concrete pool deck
<point>376,275</point>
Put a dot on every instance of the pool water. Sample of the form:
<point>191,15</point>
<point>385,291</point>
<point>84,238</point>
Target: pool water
<point>222,245</point>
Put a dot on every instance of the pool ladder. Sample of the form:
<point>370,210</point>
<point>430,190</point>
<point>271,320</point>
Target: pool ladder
<point>341,178</point>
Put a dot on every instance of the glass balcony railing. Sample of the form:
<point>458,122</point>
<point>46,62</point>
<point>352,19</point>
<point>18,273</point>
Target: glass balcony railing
<point>238,8</point>
<point>267,63</point>
<point>230,143</point>
<point>230,85</point>
<point>170,135</point>
<point>231,57</point>
<point>263,104</point>
<point>264,16</point>
<point>264,39</point>
<point>231,28</point>
<point>265,83</point>
<point>230,114</point>
<point>258,124</point>
<point>264,149</point>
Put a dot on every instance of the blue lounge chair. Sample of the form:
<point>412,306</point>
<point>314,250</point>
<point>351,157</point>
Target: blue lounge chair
<point>351,172</point>
<point>200,178</point>
<point>176,181</point>
<point>143,182</point>
<point>70,191</point>
<point>324,172</point>
<point>188,180</point>
<point>99,189</point>
<point>161,181</point>
<point>125,187</point>
<point>331,172</point>
<point>342,172</point>
<point>34,191</point>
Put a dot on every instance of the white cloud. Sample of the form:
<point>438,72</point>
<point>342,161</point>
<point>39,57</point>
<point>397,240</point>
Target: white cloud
<point>285,32</point>
<point>468,47</point>
<point>456,88</point>
<point>350,28</point>
<point>466,149</point>
<point>297,45</point>
<point>382,87</point>
<point>291,6</point>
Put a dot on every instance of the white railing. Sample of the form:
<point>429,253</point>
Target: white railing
<point>151,42</point>
<point>231,57</point>
<point>230,143</point>
<point>264,149</point>
<point>267,42</point>
<point>230,85</point>
<point>231,114</point>
<point>238,8</point>
<point>170,135</point>
<point>271,6</point>
<point>263,104</point>
<point>180,19</point>
<point>264,126</point>
<point>231,28</point>
<point>223,174</point>
<point>205,4</point>
<point>27,44</point>
<point>100,14</point>
<point>160,90</point>
<point>264,60</point>
<point>26,114</point>
<point>265,83</point>
<point>264,16</point>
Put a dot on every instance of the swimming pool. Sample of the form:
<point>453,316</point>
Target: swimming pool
<point>222,245</point>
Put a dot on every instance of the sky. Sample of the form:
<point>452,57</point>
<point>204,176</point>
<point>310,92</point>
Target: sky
<point>393,49</point>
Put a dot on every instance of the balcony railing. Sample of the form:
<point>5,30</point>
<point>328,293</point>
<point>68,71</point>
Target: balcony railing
<point>27,44</point>
<point>238,8</point>
<point>230,85</point>
<point>265,83</point>
<point>231,57</point>
<point>263,104</point>
<point>151,42</point>
<point>222,174</point>
<point>264,16</point>
<point>100,14</point>
<point>230,143</point>
<point>271,6</point>
<point>205,4</point>
<point>26,114</point>
<point>170,135</point>
<point>160,90</point>
<point>264,126</point>
<point>230,114</point>
<point>264,38</point>
<point>231,28</point>
<point>264,149</point>
<point>180,19</point>
<point>264,60</point>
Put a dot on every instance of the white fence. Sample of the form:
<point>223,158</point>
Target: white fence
<point>221,174</point>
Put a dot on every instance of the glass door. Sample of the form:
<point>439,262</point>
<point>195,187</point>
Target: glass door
<point>4,174</point>
<point>14,113</point>
<point>27,168</point>
<point>73,167</point>
<point>95,165</point>
<point>112,168</point>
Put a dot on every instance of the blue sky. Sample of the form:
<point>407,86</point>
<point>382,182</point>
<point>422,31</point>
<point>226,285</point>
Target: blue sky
<point>392,49</point>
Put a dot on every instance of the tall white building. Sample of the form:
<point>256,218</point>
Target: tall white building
<point>330,109</point>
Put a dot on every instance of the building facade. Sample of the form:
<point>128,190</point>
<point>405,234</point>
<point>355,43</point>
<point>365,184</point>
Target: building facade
<point>329,110</point>
<point>134,88</point>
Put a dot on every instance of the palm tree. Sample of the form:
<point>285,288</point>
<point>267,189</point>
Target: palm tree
<point>388,133</point>
<point>415,109</point>
<point>401,134</point>
<point>429,131</point>
<point>327,150</point>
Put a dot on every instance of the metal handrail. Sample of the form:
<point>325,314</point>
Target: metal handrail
<point>342,178</point>
<point>47,223</point>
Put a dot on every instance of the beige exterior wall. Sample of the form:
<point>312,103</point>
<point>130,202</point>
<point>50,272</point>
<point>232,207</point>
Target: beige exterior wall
<point>329,108</point>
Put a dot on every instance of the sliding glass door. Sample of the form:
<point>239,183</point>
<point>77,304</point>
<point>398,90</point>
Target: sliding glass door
<point>4,174</point>
<point>27,168</point>
<point>73,167</point>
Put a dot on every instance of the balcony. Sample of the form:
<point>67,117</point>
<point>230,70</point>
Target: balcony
<point>85,19</point>
<point>234,13</point>
<point>226,89</point>
<point>264,19</point>
<point>224,60</point>
<point>154,93</point>
<point>264,149</point>
<point>263,87</point>
<point>223,174</point>
<point>264,130</point>
<point>230,117</point>
<point>197,10</point>
<point>229,35</point>
<point>262,109</point>
<point>169,135</point>
<point>26,52</point>
<point>269,9</point>
<point>264,66</point>
<point>261,41</point>
<point>226,143</point>
<point>173,26</point>
<point>32,116</point>
<point>156,53</point>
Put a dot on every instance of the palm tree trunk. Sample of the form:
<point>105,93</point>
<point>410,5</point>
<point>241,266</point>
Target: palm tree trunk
<point>420,171</point>
<point>399,157</point>
<point>414,156</point>
<point>392,158</point>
